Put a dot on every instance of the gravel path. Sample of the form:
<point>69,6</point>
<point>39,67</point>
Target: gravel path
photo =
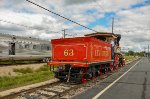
<point>8,70</point>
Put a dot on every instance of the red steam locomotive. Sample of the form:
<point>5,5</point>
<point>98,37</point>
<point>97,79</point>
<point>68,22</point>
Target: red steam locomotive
<point>83,58</point>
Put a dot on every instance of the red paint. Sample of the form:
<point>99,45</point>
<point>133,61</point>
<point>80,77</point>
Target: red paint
<point>76,64</point>
<point>111,66</point>
<point>79,51</point>
<point>116,58</point>
<point>117,61</point>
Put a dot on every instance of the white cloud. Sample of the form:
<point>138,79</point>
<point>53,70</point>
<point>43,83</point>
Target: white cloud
<point>40,23</point>
<point>116,5</point>
<point>133,23</point>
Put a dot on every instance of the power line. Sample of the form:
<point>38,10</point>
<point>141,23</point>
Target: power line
<point>60,15</point>
<point>14,23</point>
<point>29,27</point>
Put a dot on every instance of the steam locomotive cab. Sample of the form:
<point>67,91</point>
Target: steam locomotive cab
<point>114,40</point>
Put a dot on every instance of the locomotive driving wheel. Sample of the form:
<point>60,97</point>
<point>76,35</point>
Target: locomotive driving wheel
<point>111,67</point>
<point>100,70</point>
<point>83,78</point>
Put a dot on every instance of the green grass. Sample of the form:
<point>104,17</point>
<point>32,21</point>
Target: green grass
<point>30,70</point>
<point>17,81</point>
<point>29,76</point>
<point>129,57</point>
<point>23,70</point>
<point>43,68</point>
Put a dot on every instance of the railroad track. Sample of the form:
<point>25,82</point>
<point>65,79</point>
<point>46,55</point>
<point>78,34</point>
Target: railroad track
<point>50,91</point>
<point>57,90</point>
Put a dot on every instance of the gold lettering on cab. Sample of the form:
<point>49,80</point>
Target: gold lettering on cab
<point>100,52</point>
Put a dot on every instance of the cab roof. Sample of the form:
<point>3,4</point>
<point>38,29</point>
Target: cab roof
<point>102,34</point>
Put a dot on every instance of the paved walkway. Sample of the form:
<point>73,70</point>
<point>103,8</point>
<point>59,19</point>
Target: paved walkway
<point>134,84</point>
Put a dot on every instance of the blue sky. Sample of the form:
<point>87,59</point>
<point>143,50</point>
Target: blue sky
<point>107,19</point>
<point>104,21</point>
<point>144,3</point>
<point>130,16</point>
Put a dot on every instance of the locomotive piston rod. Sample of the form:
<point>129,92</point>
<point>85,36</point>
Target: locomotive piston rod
<point>69,74</point>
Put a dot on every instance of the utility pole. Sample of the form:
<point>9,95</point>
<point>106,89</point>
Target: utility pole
<point>112,24</point>
<point>148,49</point>
<point>64,33</point>
<point>145,49</point>
<point>148,52</point>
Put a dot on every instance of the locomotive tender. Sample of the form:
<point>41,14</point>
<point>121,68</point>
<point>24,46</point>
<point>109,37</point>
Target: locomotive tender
<point>83,58</point>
